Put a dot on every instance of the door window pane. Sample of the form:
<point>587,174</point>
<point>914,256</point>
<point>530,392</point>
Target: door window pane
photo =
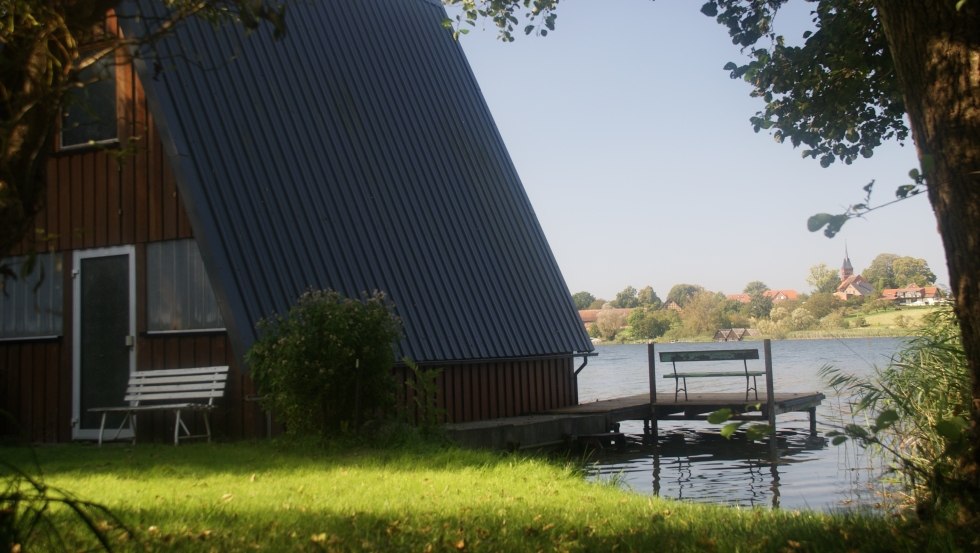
<point>31,305</point>
<point>179,294</point>
<point>104,355</point>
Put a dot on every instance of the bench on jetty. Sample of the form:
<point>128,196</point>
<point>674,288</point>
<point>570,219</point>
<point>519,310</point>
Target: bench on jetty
<point>708,403</point>
<point>743,355</point>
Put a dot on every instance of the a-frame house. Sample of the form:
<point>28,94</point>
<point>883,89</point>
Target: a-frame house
<point>356,153</point>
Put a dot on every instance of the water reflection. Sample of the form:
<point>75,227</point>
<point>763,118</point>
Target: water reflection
<point>698,464</point>
<point>695,463</point>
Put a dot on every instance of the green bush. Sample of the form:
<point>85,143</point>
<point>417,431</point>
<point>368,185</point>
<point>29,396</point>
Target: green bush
<point>326,366</point>
<point>649,324</point>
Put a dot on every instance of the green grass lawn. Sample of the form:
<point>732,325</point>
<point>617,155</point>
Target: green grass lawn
<point>272,497</point>
<point>912,316</point>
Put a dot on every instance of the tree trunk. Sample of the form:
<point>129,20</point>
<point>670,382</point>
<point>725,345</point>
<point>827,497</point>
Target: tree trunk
<point>937,59</point>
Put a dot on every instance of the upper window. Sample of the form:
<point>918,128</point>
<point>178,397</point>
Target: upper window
<point>31,304</point>
<point>178,292</point>
<point>89,115</point>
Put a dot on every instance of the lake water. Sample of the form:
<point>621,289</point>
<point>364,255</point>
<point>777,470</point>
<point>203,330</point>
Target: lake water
<point>696,463</point>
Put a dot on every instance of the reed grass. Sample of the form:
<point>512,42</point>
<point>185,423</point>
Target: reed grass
<point>268,496</point>
<point>916,412</point>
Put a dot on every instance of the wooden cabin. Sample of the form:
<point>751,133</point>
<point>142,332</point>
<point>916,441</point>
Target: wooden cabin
<point>225,173</point>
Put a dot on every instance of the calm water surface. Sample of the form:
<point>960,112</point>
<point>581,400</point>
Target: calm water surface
<point>696,463</point>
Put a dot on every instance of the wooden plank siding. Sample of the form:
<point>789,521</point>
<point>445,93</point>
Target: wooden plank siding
<point>481,391</point>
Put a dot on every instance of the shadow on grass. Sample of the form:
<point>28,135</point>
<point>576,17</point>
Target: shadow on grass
<point>495,529</point>
<point>199,460</point>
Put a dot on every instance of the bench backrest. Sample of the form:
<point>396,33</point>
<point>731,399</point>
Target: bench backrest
<point>177,384</point>
<point>709,355</point>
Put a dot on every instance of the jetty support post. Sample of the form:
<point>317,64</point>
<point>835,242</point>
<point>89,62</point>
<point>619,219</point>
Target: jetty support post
<point>770,391</point>
<point>651,367</point>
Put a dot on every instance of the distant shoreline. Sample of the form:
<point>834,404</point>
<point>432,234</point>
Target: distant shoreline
<point>795,335</point>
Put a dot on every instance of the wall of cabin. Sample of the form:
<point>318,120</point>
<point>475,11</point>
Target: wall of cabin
<point>481,391</point>
<point>100,197</point>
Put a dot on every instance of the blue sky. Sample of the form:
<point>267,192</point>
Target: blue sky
<point>635,149</point>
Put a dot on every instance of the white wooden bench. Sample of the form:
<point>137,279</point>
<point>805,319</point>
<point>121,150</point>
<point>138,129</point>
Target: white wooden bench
<point>743,355</point>
<point>170,390</point>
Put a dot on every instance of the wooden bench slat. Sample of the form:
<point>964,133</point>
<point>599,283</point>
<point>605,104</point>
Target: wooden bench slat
<point>203,379</point>
<point>158,407</point>
<point>163,388</point>
<point>709,355</point>
<point>206,394</point>
<point>715,374</point>
<point>183,372</point>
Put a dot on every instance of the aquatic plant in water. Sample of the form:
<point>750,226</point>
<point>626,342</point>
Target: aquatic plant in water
<point>917,413</point>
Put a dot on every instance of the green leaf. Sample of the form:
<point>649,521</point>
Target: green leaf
<point>904,190</point>
<point>834,225</point>
<point>856,431</point>
<point>887,418</point>
<point>818,221</point>
<point>758,431</point>
<point>710,9</point>
<point>952,429</point>
<point>729,429</point>
<point>837,440</point>
<point>720,416</point>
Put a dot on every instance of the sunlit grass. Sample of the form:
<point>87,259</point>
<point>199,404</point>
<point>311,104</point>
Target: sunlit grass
<point>272,497</point>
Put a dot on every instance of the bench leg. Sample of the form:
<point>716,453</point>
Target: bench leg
<point>678,388</point>
<point>177,425</point>
<point>122,425</point>
<point>102,428</point>
<point>207,424</point>
<point>754,387</point>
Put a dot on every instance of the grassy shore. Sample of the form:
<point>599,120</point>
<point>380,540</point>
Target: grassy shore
<point>273,497</point>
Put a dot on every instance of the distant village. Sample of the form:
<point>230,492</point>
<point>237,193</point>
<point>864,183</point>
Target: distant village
<point>838,301</point>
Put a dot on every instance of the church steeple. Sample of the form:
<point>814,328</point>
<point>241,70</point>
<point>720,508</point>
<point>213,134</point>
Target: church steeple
<point>846,269</point>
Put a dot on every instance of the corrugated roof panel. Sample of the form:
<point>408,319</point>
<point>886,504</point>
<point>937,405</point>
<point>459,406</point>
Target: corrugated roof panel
<point>357,153</point>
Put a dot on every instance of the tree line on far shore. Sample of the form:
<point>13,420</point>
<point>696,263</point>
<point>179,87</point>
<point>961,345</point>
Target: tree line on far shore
<point>691,311</point>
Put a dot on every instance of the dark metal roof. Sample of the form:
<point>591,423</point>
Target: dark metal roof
<point>357,153</point>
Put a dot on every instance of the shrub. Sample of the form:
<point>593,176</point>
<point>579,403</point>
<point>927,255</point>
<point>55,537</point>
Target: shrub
<point>801,319</point>
<point>609,322</point>
<point>326,365</point>
<point>648,324</point>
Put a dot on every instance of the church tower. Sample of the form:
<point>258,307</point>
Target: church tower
<point>846,269</point>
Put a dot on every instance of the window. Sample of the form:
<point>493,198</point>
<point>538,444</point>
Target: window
<point>178,292</point>
<point>89,116</point>
<point>31,305</point>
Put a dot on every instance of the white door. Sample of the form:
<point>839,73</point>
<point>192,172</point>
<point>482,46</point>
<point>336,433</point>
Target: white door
<point>103,335</point>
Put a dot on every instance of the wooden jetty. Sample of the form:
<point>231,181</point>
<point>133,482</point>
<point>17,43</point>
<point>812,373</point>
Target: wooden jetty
<point>594,419</point>
<point>564,425</point>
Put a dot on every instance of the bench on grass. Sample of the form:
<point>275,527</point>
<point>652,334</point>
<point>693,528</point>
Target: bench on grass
<point>743,355</point>
<point>176,390</point>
